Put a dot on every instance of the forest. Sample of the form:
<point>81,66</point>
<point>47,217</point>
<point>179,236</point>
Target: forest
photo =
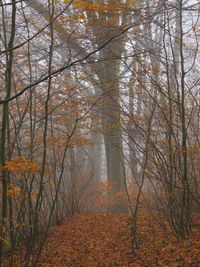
<point>99,133</point>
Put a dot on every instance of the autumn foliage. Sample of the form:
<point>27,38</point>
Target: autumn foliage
<point>103,240</point>
<point>99,133</point>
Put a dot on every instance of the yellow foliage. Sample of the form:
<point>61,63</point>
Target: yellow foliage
<point>190,150</point>
<point>21,165</point>
<point>78,142</point>
<point>14,191</point>
<point>85,5</point>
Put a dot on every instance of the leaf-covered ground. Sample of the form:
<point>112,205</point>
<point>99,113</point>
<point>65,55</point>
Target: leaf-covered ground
<point>103,240</point>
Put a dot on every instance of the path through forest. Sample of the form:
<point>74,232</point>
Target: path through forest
<point>103,240</point>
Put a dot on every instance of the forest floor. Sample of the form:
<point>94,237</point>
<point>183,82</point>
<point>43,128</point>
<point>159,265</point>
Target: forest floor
<point>103,240</point>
